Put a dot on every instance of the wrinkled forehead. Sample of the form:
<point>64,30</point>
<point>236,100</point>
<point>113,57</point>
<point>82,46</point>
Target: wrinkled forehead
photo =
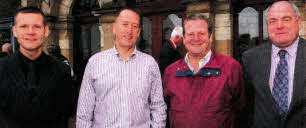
<point>281,9</point>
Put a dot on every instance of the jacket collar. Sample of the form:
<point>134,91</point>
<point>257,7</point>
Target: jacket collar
<point>212,68</point>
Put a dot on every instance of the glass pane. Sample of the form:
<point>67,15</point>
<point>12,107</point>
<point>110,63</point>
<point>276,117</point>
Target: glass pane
<point>248,29</point>
<point>265,31</point>
<point>144,42</point>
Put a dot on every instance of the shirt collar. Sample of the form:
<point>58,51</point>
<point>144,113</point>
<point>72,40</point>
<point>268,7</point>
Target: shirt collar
<point>291,50</point>
<point>135,52</point>
<point>202,62</point>
<point>172,42</point>
<point>27,60</point>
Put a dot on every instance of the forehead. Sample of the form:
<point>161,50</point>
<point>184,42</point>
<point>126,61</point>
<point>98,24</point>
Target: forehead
<point>128,16</point>
<point>34,18</point>
<point>281,9</point>
<point>195,25</point>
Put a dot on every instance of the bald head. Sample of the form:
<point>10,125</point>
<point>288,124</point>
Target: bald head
<point>285,5</point>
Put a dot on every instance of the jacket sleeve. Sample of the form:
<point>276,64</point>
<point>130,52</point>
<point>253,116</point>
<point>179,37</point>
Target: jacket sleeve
<point>236,83</point>
<point>157,103</point>
<point>65,95</point>
<point>86,101</point>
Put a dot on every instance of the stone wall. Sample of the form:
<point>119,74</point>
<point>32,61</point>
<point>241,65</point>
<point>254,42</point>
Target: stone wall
<point>223,29</point>
<point>107,37</point>
<point>303,16</point>
<point>65,39</point>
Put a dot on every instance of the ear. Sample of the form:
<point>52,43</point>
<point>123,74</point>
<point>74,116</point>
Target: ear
<point>14,31</point>
<point>211,37</point>
<point>139,30</point>
<point>47,31</point>
<point>183,39</point>
<point>114,28</point>
<point>300,23</point>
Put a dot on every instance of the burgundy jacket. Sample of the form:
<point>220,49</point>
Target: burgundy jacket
<point>209,99</point>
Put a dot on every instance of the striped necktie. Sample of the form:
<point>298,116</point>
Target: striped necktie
<point>280,87</point>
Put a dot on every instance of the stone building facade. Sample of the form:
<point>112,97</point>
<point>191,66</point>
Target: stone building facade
<point>83,27</point>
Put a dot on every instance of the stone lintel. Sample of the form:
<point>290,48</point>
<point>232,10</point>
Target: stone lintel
<point>198,7</point>
<point>222,7</point>
<point>108,18</point>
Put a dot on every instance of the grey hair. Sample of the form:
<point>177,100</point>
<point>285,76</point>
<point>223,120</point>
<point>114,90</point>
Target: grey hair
<point>295,8</point>
<point>177,31</point>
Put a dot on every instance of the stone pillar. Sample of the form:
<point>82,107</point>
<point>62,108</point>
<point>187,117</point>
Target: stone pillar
<point>223,29</point>
<point>303,16</point>
<point>107,37</point>
<point>64,28</point>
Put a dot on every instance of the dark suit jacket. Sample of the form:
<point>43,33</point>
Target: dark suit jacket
<point>46,104</point>
<point>168,55</point>
<point>263,111</point>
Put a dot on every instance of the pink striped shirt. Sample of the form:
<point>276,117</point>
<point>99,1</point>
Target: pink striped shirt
<point>121,94</point>
<point>290,56</point>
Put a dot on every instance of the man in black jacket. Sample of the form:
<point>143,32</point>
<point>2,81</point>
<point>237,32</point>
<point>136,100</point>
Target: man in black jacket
<point>35,91</point>
<point>170,50</point>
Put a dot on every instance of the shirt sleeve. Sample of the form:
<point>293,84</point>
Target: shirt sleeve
<point>157,103</point>
<point>86,102</point>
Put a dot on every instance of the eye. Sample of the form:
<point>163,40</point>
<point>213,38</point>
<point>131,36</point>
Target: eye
<point>37,26</point>
<point>287,19</point>
<point>271,21</point>
<point>22,26</point>
<point>135,26</point>
<point>190,34</point>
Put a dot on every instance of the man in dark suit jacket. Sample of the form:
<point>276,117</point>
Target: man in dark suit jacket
<point>261,66</point>
<point>170,51</point>
<point>35,92</point>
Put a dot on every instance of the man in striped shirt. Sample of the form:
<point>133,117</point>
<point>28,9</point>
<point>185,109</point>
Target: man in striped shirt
<point>121,87</point>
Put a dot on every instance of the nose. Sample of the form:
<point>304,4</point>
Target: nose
<point>130,29</point>
<point>280,24</point>
<point>197,37</point>
<point>30,31</point>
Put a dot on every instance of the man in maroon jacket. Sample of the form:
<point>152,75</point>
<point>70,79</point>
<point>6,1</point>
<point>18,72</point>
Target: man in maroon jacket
<point>204,89</point>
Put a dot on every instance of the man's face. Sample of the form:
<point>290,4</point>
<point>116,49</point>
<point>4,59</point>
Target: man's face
<point>126,28</point>
<point>30,31</point>
<point>283,27</point>
<point>196,37</point>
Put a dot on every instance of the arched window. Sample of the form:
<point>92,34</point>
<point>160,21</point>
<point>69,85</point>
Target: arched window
<point>248,22</point>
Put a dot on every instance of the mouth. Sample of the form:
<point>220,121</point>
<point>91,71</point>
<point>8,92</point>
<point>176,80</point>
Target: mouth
<point>196,44</point>
<point>30,39</point>
<point>128,37</point>
<point>282,33</point>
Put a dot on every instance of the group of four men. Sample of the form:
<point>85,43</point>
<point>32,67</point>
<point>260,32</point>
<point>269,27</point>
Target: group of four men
<point>122,86</point>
